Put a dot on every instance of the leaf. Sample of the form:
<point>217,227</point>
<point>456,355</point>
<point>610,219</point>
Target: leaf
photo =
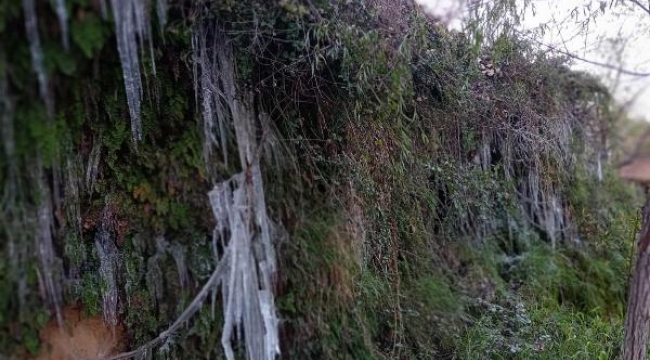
<point>60,59</point>
<point>88,34</point>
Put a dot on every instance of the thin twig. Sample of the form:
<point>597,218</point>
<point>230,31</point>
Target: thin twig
<point>189,311</point>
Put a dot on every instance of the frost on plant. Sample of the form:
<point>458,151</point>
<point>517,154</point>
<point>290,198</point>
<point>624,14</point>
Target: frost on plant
<point>31,27</point>
<point>132,31</point>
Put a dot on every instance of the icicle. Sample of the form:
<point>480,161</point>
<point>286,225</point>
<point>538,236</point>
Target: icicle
<point>161,9</point>
<point>132,29</point>
<point>92,169</point>
<point>245,270</point>
<point>154,276</point>
<point>6,114</point>
<point>127,48</point>
<point>207,75</point>
<point>143,28</point>
<point>62,14</point>
<point>73,190</point>
<point>262,221</point>
<point>248,299</point>
<point>181,266</point>
<point>599,167</point>
<point>103,8</point>
<point>13,220</point>
<point>31,27</point>
<point>108,262</point>
<point>49,264</point>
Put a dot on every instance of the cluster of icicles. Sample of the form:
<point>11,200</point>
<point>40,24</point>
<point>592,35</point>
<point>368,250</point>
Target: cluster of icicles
<point>243,237</point>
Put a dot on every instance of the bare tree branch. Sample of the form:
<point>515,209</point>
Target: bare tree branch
<point>637,3</point>
<point>588,61</point>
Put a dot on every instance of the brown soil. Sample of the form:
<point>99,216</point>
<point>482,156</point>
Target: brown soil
<point>82,337</point>
<point>638,170</point>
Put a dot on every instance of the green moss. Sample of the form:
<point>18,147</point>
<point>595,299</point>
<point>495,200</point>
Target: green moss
<point>88,34</point>
<point>539,333</point>
<point>321,278</point>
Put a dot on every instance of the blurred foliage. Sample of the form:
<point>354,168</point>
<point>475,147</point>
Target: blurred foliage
<point>401,191</point>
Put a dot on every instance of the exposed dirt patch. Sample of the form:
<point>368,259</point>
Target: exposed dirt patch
<point>82,337</point>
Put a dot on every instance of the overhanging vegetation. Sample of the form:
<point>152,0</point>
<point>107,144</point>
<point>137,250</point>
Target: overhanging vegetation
<point>430,197</point>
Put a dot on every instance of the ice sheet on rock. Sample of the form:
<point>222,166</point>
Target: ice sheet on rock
<point>62,14</point>
<point>36,52</point>
<point>108,262</point>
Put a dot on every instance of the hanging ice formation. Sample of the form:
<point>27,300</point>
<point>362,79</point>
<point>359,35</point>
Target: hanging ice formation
<point>31,27</point>
<point>247,279</point>
<point>62,14</point>
<point>132,27</point>
<point>243,226</point>
<point>244,231</point>
<point>50,268</point>
<point>12,214</point>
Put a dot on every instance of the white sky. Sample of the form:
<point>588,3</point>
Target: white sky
<point>619,37</point>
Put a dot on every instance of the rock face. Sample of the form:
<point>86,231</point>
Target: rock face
<point>81,338</point>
